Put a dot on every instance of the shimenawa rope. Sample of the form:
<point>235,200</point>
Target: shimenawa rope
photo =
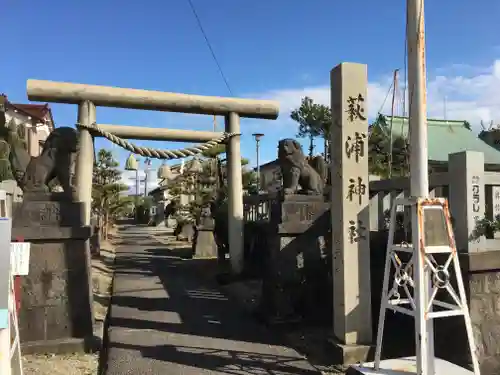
<point>154,152</point>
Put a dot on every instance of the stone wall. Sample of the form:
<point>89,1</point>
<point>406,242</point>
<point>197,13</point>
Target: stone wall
<point>482,274</point>
<point>485,316</point>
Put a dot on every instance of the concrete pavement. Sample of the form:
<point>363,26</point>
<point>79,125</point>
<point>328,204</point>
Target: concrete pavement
<point>168,316</point>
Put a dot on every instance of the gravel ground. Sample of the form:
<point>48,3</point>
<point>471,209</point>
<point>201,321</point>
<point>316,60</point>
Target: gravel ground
<point>72,364</point>
<point>78,363</point>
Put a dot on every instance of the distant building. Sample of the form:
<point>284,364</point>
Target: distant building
<point>444,137</point>
<point>448,137</point>
<point>491,137</point>
<point>161,195</point>
<point>270,177</point>
<point>33,122</point>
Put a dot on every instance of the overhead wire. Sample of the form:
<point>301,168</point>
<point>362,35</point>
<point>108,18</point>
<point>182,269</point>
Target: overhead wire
<point>209,45</point>
<point>385,99</point>
<point>394,98</point>
<point>382,106</point>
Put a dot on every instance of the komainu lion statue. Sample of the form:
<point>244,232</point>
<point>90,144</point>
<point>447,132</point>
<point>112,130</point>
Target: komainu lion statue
<point>297,171</point>
<point>56,161</point>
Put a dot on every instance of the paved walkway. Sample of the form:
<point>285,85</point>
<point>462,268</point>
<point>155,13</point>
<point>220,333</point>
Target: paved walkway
<point>169,317</point>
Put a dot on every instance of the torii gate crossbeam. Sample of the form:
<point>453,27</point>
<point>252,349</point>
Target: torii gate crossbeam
<point>87,97</point>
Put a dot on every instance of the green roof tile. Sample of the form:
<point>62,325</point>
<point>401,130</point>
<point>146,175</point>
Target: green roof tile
<point>447,137</point>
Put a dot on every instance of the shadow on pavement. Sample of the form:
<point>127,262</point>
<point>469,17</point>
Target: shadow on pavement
<point>224,361</point>
<point>210,332</point>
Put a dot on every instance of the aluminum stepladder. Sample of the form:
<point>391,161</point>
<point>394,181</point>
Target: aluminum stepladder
<point>415,285</point>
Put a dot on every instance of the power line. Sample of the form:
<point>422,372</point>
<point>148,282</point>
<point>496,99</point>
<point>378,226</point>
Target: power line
<point>210,46</point>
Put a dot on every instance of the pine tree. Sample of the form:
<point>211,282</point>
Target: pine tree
<point>379,150</point>
<point>206,185</point>
<point>314,121</point>
<point>107,202</point>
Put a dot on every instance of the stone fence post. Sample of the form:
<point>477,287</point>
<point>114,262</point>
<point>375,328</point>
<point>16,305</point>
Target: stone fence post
<point>467,198</point>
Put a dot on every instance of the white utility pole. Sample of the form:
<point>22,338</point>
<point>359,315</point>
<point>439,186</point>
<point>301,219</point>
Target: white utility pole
<point>417,281</point>
<point>419,173</point>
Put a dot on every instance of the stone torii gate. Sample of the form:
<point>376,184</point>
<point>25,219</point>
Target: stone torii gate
<point>88,97</point>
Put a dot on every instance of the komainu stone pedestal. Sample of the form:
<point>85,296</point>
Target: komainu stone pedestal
<point>56,299</point>
<point>297,263</point>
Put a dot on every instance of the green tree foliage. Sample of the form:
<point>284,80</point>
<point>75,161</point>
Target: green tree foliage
<point>379,151</point>
<point>107,202</point>
<point>250,181</point>
<point>143,207</point>
<point>314,121</point>
<point>200,185</point>
<point>203,186</point>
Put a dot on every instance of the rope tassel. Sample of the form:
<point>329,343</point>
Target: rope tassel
<point>154,152</point>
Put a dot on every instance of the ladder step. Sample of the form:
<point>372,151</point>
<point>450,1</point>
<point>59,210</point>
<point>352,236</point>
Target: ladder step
<point>408,248</point>
<point>402,247</point>
<point>444,314</point>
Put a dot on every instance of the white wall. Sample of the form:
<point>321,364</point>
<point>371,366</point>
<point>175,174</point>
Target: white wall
<point>33,134</point>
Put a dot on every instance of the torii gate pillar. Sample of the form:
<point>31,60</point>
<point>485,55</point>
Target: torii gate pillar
<point>85,159</point>
<point>235,196</point>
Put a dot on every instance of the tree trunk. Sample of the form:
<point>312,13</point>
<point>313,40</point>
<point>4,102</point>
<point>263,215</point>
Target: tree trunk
<point>311,145</point>
<point>325,146</point>
<point>106,224</point>
<point>101,217</point>
<point>328,151</point>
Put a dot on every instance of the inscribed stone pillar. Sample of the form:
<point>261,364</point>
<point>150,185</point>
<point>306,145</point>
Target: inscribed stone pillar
<point>352,325</point>
<point>467,198</point>
<point>492,207</point>
<point>493,193</point>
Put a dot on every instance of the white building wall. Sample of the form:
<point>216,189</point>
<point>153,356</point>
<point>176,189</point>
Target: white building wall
<point>33,134</point>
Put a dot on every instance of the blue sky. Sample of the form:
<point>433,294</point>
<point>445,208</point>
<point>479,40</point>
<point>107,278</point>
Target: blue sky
<point>277,49</point>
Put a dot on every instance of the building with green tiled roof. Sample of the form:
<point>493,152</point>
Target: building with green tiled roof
<point>447,137</point>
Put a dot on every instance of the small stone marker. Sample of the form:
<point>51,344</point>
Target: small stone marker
<point>466,170</point>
